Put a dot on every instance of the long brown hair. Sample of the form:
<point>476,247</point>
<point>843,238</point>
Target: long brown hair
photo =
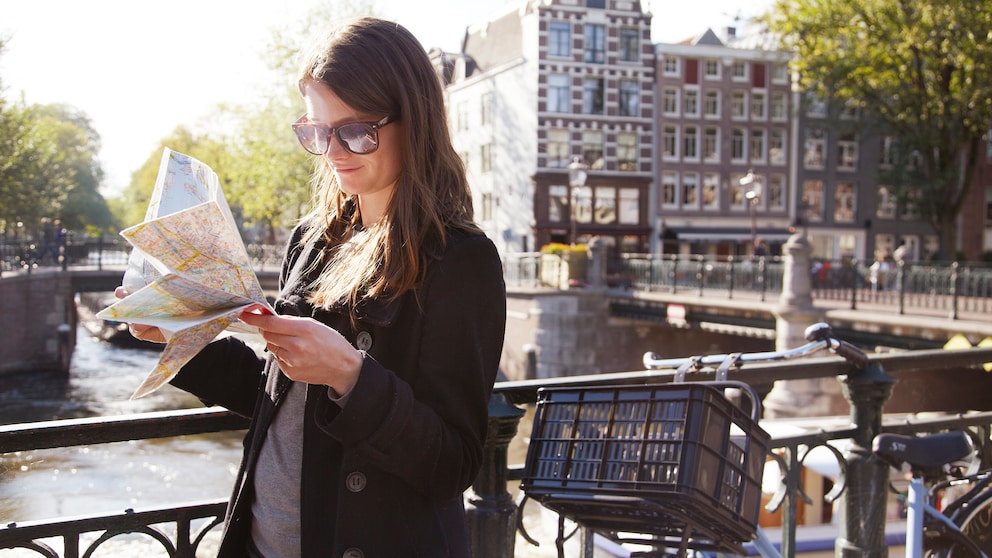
<point>379,67</point>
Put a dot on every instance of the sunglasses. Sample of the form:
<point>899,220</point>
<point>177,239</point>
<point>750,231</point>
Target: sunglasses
<point>360,138</point>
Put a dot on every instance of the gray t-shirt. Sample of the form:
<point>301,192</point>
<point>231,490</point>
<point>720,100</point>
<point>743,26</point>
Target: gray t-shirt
<point>275,512</point>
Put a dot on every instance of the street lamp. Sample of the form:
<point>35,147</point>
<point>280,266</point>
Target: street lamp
<point>753,197</point>
<point>576,179</point>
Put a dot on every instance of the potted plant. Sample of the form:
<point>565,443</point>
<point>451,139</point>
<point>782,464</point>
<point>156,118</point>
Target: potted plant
<point>563,265</point>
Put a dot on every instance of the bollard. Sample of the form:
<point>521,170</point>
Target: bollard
<point>954,290</point>
<point>492,513</point>
<point>854,283</point>
<point>675,273</point>
<point>862,526</point>
<point>730,284</point>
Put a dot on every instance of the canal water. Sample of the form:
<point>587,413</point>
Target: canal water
<point>110,478</point>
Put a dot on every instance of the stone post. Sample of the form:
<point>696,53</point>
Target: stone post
<point>794,313</point>
<point>596,272</point>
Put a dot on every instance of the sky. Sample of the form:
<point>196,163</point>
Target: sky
<point>139,69</point>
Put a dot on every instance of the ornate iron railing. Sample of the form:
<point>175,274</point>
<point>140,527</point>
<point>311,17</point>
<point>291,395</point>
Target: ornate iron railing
<point>493,511</point>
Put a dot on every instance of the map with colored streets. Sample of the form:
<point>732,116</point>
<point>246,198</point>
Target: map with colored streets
<point>189,273</point>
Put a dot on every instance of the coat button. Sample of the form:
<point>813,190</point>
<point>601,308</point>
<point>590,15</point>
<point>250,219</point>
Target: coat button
<point>353,553</point>
<point>355,481</point>
<point>364,341</point>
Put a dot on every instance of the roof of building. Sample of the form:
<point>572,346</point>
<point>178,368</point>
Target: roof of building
<point>488,53</point>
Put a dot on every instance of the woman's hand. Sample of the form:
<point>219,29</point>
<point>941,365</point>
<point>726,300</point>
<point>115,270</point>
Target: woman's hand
<point>143,332</point>
<point>307,350</point>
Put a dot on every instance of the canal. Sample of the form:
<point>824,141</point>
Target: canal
<point>109,478</point>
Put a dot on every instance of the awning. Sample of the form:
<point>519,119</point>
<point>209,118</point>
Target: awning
<point>714,234</point>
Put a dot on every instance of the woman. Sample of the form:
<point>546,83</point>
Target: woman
<point>369,413</point>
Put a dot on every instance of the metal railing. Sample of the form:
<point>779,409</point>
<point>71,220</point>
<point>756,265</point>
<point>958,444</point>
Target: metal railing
<point>493,511</point>
<point>102,252</point>
<point>951,287</point>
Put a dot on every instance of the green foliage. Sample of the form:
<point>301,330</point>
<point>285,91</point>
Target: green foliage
<point>49,168</point>
<point>559,248</point>
<point>918,69</point>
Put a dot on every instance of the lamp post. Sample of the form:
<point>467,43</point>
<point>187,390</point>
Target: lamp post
<point>576,179</point>
<point>753,197</point>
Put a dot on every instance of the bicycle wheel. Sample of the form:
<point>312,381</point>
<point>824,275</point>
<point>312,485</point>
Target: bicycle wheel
<point>975,522</point>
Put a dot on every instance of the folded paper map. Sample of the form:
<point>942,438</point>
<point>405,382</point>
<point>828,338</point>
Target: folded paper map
<point>189,273</point>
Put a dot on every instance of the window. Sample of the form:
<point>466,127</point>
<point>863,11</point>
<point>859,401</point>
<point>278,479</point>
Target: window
<point>910,209</point>
<point>847,151</point>
<point>738,149</point>
<point>757,106</point>
<point>711,104</point>
<point>487,206</point>
<point>816,108</point>
<point>711,144</point>
<point>630,98</point>
<point>627,151</point>
<point>592,149</point>
<point>779,106</point>
<point>487,108</point>
<point>739,70</point>
<point>690,190</point>
<point>691,102</point>
<point>844,202</point>
<point>630,44</point>
<point>670,143</point>
<point>558,204</point>
<point>592,96</point>
<point>816,146</point>
<point>780,73</point>
<point>738,193</point>
<point>583,204</point>
<point>486,152</point>
<point>738,105</point>
<point>605,211</point>
<point>670,67</point>
<point>630,206</point>
<point>711,69</point>
<point>461,111</point>
<point>775,191</point>
<point>669,190</point>
<point>813,198</point>
<point>776,147</point>
<point>887,203</point>
<point>559,148</point>
<point>670,101</point>
<point>595,47</point>
<point>559,93</point>
<point>887,154</point>
<point>849,111</point>
<point>690,143</point>
<point>757,146</point>
<point>560,39</point>
<point>711,191</point>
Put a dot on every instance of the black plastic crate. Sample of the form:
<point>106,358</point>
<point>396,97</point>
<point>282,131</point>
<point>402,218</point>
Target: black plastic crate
<point>648,459</point>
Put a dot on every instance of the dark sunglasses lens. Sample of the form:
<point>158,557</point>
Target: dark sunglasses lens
<point>359,138</point>
<point>312,138</point>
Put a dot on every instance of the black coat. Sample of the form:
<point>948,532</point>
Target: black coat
<point>384,476</point>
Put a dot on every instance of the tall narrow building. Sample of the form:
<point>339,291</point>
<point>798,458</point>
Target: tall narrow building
<point>544,85</point>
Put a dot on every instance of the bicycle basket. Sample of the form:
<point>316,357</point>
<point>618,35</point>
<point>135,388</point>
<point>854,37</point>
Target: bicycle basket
<point>648,459</point>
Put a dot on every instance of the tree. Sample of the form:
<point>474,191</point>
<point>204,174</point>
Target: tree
<point>919,69</point>
<point>49,166</point>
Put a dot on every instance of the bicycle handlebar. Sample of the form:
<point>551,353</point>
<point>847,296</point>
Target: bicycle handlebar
<point>819,335</point>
